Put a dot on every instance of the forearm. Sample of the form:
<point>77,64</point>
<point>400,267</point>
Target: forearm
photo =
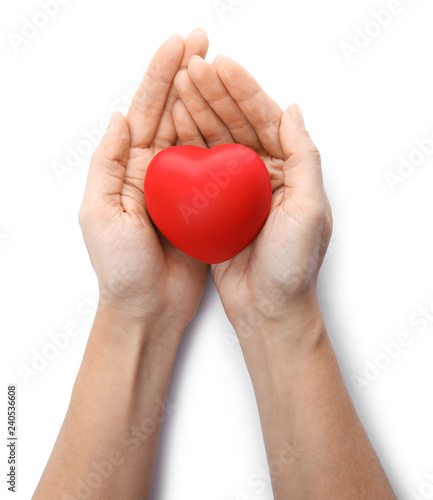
<point>316,445</point>
<point>108,442</point>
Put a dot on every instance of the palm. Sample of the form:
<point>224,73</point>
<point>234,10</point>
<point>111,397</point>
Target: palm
<point>277,262</point>
<point>136,266</point>
<point>148,264</point>
<point>222,103</point>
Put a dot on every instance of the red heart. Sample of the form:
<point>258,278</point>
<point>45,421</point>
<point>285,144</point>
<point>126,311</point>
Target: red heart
<point>210,203</point>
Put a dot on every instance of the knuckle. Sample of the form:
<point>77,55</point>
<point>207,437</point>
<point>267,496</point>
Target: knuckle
<point>308,143</point>
<point>313,150</point>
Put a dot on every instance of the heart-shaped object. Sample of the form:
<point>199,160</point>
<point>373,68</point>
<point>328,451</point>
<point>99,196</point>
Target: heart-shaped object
<point>210,203</point>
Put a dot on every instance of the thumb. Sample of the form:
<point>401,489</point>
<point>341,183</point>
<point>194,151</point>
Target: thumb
<point>302,168</point>
<point>108,164</point>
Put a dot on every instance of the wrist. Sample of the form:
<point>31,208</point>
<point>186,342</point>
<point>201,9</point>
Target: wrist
<point>128,350</point>
<point>130,327</point>
<point>289,354</point>
<point>294,332</point>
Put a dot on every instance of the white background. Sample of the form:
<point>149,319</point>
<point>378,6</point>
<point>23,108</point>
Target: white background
<point>363,115</point>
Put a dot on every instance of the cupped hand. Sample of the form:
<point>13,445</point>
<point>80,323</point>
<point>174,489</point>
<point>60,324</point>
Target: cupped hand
<point>140,272</point>
<point>275,277</point>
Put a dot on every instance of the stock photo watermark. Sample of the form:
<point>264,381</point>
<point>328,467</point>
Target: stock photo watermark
<point>391,350</point>
<point>424,490</point>
<point>260,481</point>
<point>375,26</point>
<point>131,441</point>
<point>410,164</point>
<point>12,438</point>
<point>224,7</point>
<point>293,278</point>
<point>76,154</point>
<point>58,341</point>
<point>32,25</point>
<point>218,181</point>
<point>332,248</point>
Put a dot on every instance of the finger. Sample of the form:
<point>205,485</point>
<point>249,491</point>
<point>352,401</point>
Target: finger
<point>186,129</point>
<point>108,165</point>
<point>196,43</point>
<point>209,123</point>
<point>149,101</point>
<point>261,111</point>
<point>206,79</point>
<point>302,167</point>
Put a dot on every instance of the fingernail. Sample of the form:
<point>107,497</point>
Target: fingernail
<point>198,29</point>
<point>196,57</point>
<point>296,115</point>
<point>176,35</point>
<point>218,58</point>
<point>113,119</point>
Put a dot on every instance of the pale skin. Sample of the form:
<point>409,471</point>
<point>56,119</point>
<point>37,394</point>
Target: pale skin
<point>149,291</point>
<point>115,411</point>
<point>316,445</point>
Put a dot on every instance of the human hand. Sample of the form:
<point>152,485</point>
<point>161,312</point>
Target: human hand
<point>139,272</point>
<point>272,283</point>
